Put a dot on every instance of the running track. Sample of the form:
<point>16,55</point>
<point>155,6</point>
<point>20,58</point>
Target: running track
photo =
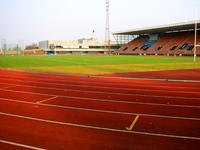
<point>49,111</point>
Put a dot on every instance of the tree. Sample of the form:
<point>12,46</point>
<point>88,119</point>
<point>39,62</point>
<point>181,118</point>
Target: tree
<point>32,46</point>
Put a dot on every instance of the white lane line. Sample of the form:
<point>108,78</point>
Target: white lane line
<point>102,100</point>
<point>114,101</point>
<point>140,95</point>
<point>101,111</point>
<point>170,80</point>
<point>46,81</point>
<point>20,145</point>
<point>105,83</point>
<point>99,128</point>
<point>127,89</point>
<point>104,87</point>
<point>92,91</point>
<point>98,76</point>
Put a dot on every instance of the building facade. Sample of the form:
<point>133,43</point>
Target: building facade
<point>81,46</point>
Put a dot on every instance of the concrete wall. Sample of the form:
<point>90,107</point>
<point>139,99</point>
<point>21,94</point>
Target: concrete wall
<point>43,45</point>
<point>153,37</point>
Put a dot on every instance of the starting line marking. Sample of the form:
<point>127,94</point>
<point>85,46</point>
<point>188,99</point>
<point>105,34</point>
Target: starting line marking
<point>21,145</point>
<point>133,123</point>
<point>46,99</point>
<point>99,128</point>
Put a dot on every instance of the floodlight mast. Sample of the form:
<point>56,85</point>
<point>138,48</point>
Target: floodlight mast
<point>195,36</point>
<point>107,31</point>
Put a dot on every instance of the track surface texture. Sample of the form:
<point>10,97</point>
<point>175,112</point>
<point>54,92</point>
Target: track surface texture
<point>186,74</point>
<point>71,112</point>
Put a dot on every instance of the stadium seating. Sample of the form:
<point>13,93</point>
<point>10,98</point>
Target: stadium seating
<point>177,43</point>
<point>133,46</point>
<point>160,44</point>
<point>187,46</point>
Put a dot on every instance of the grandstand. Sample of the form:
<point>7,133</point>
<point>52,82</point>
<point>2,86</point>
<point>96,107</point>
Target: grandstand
<point>170,40</point>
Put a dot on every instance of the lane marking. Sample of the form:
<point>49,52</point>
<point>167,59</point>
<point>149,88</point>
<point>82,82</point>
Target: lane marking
<point>117,101</point>
<point>102,111</point>
<point>97,76</point>
<point>148,79</point>
<point>21,145</point>
<point>107,100</point>
<point>48,99</point>
<point>133,124</point>
<point>99,128</point>
<point>105,83</point>
<point>140,95</point>
<point>9,86</point>
<point>106,92</point>
<point>128,89</point>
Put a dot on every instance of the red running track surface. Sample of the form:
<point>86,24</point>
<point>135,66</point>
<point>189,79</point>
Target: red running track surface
<point>50,111</point>
<point>186,74</point>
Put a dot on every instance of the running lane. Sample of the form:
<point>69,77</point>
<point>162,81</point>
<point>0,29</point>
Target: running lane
<point>53,136</point>
<point>104,119</point>
<point>81,112</point>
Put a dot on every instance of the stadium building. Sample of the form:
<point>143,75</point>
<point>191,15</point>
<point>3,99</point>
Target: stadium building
<point>81,46</point>
<point>171,40</point>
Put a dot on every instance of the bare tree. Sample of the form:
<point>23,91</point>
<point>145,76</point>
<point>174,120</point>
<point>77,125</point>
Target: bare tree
<point>32,46</point>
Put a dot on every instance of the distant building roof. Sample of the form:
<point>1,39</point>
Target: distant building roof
<point>190,25</point>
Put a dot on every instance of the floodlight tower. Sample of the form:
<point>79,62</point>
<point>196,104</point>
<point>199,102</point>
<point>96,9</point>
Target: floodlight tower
<point>195,40</point>
<point>107,29</point>
<point>4,46</point>
<point>195,34</point>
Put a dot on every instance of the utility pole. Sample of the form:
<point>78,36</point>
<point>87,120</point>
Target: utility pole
<point>107,31</point>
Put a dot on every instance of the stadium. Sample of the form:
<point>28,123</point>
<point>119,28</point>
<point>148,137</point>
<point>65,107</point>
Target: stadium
<point>140,91</point>
<point>169,40</point>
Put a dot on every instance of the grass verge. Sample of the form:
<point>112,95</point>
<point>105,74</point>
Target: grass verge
<point>98,69</point>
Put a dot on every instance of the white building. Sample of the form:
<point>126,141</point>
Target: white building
<point>81,46</point>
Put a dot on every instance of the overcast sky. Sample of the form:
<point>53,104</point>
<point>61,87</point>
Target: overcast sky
<point>35,20</point>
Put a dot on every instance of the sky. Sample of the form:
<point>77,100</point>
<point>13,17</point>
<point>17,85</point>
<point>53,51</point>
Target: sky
<point>36,20</point>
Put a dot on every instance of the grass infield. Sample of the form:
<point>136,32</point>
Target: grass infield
<point>96,63</point>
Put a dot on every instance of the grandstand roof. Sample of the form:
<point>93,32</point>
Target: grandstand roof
<point>160,29</point>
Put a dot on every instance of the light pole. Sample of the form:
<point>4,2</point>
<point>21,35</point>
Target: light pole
<point>195,36</point>
<point>107,31</point>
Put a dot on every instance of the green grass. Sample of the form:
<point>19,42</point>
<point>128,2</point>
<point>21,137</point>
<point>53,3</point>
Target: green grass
<point>72,60</point>
<point>95,63</point>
